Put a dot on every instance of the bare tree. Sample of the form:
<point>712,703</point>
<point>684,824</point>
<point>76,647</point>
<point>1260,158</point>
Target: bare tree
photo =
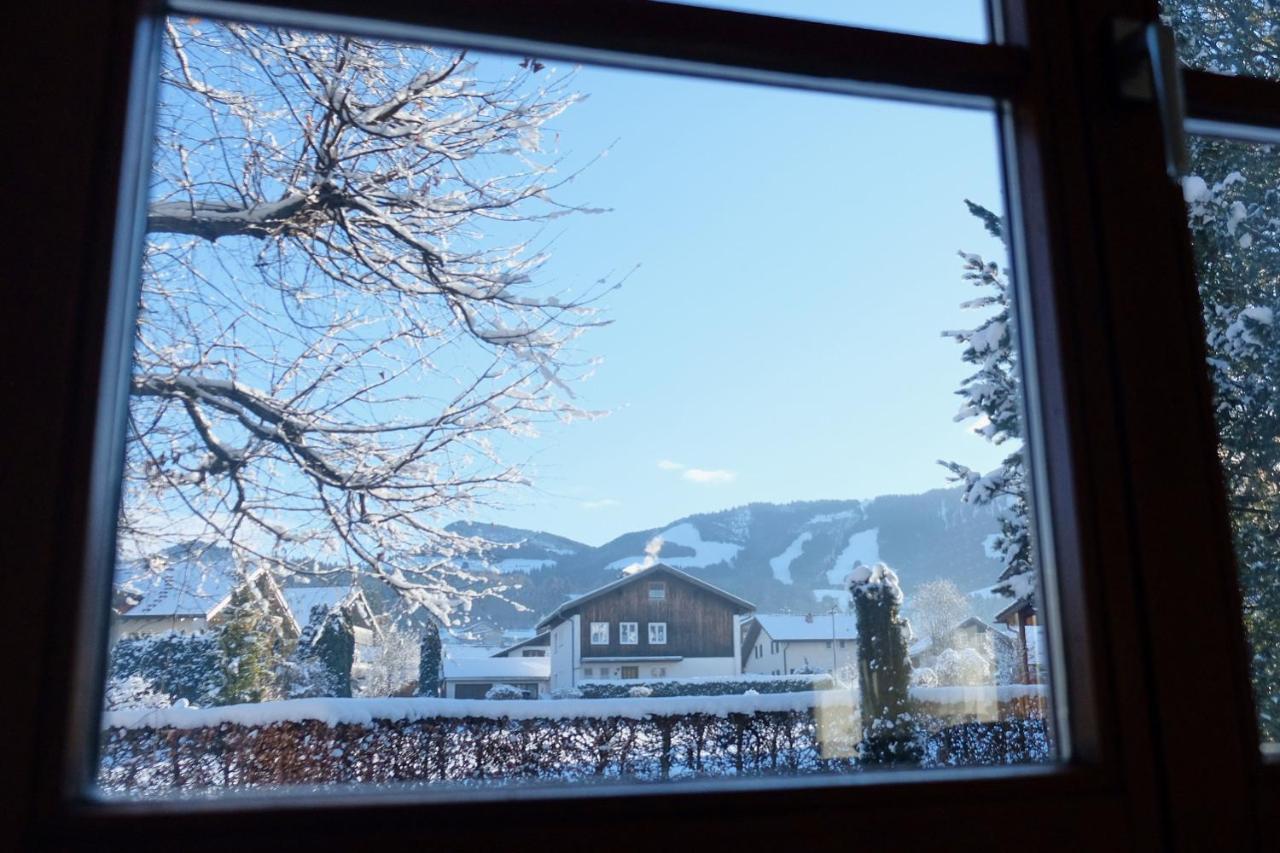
<point>937,607</point>
<point>340,333</point>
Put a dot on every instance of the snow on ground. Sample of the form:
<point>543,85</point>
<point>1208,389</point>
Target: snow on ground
<point>847,514</point>
<point>863,547</point>
<point>781,564</point>
<point>363,711</point>
<point>706,552</point>
<point>520,564</point>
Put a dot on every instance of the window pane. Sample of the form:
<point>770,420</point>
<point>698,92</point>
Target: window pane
<point>440,361</point>
<point>1234,210</point>
<point>1240,37</point>
<point>965,20</point>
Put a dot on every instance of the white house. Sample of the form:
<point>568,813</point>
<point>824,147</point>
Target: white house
<point>657,622</point>
<point>784,644</point>
<point>192,592</point>
<point>473,677</point>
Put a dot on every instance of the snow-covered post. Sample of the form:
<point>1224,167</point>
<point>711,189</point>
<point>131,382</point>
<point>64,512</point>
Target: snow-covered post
<point>884,668</point>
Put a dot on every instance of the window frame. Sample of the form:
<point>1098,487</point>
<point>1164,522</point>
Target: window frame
<point>662,639</point>
<point>629,629</point>
<point>598,629</point>
<point>1075,160</point>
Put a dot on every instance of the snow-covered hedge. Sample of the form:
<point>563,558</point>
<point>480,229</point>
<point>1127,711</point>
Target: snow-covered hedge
<point>707,685</point>
<point>431,741</point>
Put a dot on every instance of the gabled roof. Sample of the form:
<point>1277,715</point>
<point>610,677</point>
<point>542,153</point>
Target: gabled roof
<point>302,599</point>
<point>787,626</point>
<point>540,639</point>
<point>1009,612</point>
<point>565,609</point>
<point>186,586</point>
<point>493,669</point>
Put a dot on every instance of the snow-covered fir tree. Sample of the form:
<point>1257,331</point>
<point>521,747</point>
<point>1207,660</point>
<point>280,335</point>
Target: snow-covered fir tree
<point>430,661</point>
<point>992,399</point>
<point>884,667</point>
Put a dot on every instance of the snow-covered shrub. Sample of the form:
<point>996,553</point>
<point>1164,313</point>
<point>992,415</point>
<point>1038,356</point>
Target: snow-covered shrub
<point>708,686</point>
<point>640,691</point>
<point>962,668</point>
<point>183,666</point>
<point>566,693</point>
<point>134,692</point>
<point>504,691</point>
<point>924,677</point>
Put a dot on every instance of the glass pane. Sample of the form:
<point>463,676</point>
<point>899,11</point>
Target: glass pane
<point>1234,206</point>
<point>1240,37</point>
<point>499,422</point>
<point>964,20</point>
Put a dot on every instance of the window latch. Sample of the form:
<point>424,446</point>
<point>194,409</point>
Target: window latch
<point>1147,71</point>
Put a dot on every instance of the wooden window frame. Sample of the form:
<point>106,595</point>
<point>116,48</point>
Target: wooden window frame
<point>591,633</point>
<point>658,642</point>
<point>1130,533</point>
<point>635,635</point>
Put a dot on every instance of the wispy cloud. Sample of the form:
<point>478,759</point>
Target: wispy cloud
<point>603,503</point>
<point>702,475</point>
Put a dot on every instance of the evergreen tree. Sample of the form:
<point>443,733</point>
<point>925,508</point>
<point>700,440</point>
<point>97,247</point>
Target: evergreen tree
<point>335,650</point>
<point>992,397</point>
<point>429,662</point>
<point>1234,208</point>
<point>884,668</point>
<point>249,642</point>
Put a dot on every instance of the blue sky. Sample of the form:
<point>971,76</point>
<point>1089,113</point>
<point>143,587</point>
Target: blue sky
<point>792,263</point>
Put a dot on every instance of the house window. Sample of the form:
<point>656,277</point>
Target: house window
<point>658,672</point>
<point>599,633</point>
<point>657,591</point>
<point>630,672</point>
<point>629,633</point>
<point>657,633</point>
<point>773,647</point>
<point>532,653</point>
<point>588,672</point>
<point>843,643</point>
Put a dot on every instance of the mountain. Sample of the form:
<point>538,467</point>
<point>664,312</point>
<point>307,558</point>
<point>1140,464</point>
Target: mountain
<point>782,557</point>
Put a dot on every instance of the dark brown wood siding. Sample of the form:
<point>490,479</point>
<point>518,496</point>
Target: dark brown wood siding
<point>699,623</point>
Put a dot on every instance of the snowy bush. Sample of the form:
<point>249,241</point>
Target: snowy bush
<point>640,691</point>
<point>566,693</point>
<point>183,666</point>
<point>707,686</point>
<point>962,668</point>
<point>133,692</point>
<point>505,691</point>
<point>924,677</point>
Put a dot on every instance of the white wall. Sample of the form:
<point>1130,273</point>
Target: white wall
<point>793,655</point>
<point>564,654</point>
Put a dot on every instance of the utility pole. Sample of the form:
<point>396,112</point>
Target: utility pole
<point>834,663</point>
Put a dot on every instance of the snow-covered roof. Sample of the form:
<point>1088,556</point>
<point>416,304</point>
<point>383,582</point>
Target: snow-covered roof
<point>490,669</point>
<point>785,626</point>
<point>187,584</point>
<point>302,599</point>
<point>648,572</point>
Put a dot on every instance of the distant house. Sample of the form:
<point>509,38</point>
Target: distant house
<point>658,622</point>
<point>536,646</point>
<point>972,633</point>
<point>192,593</point>
<point>473,677</point>
<point>785,644</point>
<point>1020,617</point>
<point>303,600</point>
